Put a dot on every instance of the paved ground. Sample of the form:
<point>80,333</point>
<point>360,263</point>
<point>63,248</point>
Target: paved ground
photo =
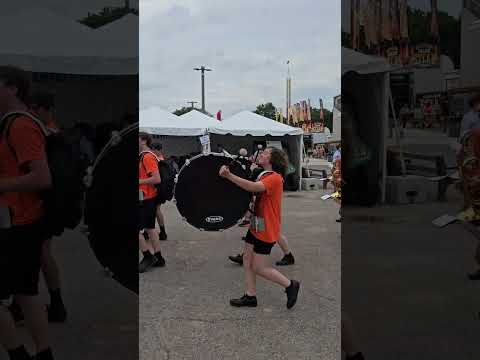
<point>404,282</point>
<point>184,310</point>
<point>103,316</point>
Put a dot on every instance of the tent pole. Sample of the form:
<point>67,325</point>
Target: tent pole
<point>398,142</point>
<point>300,153</point>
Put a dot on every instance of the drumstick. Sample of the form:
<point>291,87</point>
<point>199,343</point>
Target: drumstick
<point>260,147</point>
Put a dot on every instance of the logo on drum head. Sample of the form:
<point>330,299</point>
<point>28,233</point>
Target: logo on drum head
<point>214,219</point>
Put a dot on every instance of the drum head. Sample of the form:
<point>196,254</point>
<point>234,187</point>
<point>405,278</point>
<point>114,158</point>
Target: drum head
<point>111,209</point>
<point>206,200</point>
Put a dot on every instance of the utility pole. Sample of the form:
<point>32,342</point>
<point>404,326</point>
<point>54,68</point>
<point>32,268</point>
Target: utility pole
<point>289,94</point>
<point>192,104</point>
<point>203,69</point>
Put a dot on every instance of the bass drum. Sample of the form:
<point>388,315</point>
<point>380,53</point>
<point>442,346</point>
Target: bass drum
<point>204,199</point>
<point>111,207</point>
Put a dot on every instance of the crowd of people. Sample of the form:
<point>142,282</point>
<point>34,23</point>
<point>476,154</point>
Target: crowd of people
<point>425,114</point>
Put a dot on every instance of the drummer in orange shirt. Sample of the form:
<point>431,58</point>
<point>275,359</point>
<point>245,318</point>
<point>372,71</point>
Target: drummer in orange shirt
<point>149,176</point>
<point>265,226</point>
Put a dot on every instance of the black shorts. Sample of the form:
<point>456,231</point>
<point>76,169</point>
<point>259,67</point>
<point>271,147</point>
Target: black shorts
<point>259,246</point>
<point>21,259</point>
<point>148,214</point>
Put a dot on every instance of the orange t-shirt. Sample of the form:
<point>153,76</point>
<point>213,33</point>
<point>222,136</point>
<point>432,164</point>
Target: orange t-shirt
<point>269,207</point>
<point>28,142</point>
<point>147,166</point>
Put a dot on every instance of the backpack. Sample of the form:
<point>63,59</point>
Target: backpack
<point>168,173</point>
<point>63,200</point>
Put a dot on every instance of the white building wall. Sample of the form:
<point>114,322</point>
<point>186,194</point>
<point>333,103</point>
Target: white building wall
<point>470,69</point>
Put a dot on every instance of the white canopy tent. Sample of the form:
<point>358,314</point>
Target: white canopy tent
<point>363,64</point>
<point>197,119</point>
<point>245,129</point>
<point>50,43</point>
<point>179,135</point>
<point>366,81</point>
<point>90,79</point>
<point>118,36</point>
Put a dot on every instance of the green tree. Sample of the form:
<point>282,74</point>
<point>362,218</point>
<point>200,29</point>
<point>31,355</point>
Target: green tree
<point>106,16</point>
<point>327,117</point>
<point>267,110</point>
<point>182,111</point>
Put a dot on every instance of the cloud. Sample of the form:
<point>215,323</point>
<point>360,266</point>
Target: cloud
<point>247,43</point>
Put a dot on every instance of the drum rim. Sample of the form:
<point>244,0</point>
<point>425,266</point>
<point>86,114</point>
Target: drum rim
<point>110,144</point>
<point>188,161</point>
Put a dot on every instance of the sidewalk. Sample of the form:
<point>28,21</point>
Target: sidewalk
<point>404,283</point>
<point>184,308</point>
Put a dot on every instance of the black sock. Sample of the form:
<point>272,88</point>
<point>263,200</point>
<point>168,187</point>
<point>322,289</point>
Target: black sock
<point>250,297</point>
<point>162,229</point>
<point>45,355</point>
<point>158,254</point>
<point>55,297</point>
<point>19,353</point>
<point>357,356</point>
<point>147,254</point>
<point>289,286</point>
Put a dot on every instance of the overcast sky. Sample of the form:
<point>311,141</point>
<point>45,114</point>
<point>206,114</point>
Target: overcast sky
<point>247,43</point>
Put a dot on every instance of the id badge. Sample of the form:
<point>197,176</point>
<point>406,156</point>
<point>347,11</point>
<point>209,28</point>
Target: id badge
<point>140,195</point>
<point>5,218</point>
<point>258,224</point>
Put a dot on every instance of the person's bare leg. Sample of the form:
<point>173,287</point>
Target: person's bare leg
<point>8,332</point>
<point>51,273</point>
<point>35,320</point>
<point>50,269</point>
<point>250,277</point>
<point>160,217</point>
<point>349,342</point>
<point>264,269</point>
<point>143,244</point>
<point>161,223</point>
<point>283,243</point>
<point>154,240</point>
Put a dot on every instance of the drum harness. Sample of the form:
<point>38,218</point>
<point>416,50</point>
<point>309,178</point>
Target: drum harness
<point>258,222</point>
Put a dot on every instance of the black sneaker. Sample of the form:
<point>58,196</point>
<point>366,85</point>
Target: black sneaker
<point>162,236</point>
<point>147,263</point>
<point>292,293</point>
<point>475,275</point>
<point>17,313</point>
<point>57,314</point>
<point>287,259</point>
<point>357,356</point>
<point>160,261</point>
<point>245,300</point>
<point>339,220</point>
<point>237,259</point>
